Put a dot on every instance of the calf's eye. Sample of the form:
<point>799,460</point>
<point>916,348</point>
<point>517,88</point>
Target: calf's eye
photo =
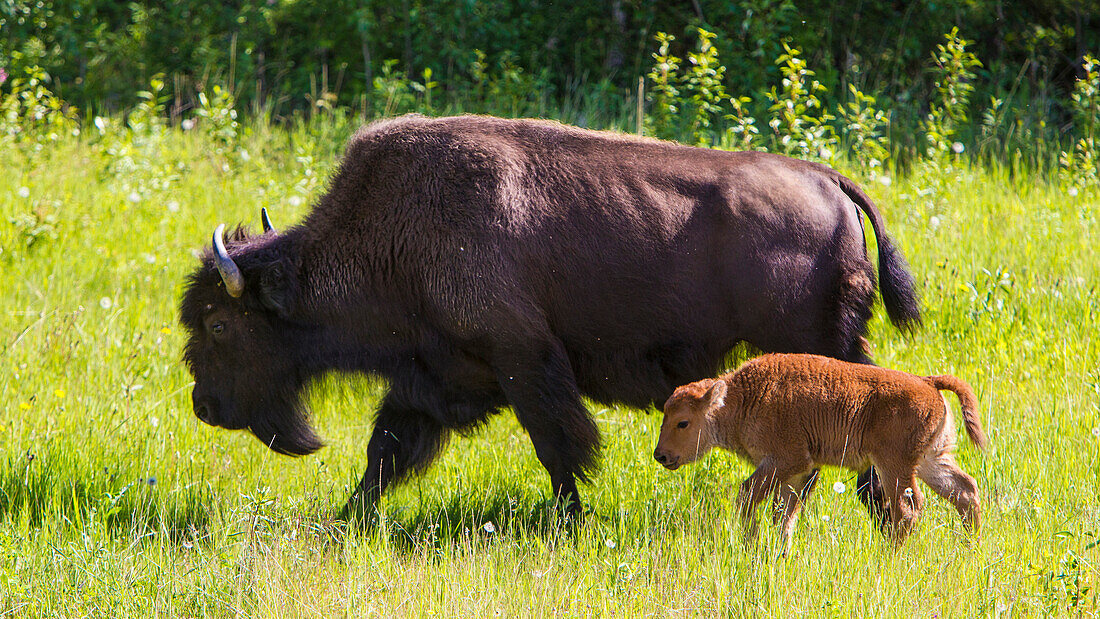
<point>682,424</point>
<point>217,328</point>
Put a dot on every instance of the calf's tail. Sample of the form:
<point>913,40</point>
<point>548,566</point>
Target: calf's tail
<point>967,402</point>
<point>895,282</point>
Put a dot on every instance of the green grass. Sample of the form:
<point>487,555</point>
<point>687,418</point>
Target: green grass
<point>116,501</point>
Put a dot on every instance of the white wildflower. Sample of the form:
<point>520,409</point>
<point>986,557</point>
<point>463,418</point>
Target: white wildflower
<point>610,543</point>
<point>958,148</point>
<point>885,180</point>
<point>106,303</point>
<point>173,207</point>
<point>24,192</point>
<point>134,197</point>
<point>490,527</point>
<point>1072,192</point>
<point>839,487</point>
<point>188,124</point>
<point>295,201</point>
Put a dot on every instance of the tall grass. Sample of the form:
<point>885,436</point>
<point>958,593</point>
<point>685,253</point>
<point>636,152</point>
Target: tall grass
<point>116,501</point>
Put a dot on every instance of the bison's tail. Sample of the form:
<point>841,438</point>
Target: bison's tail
<point>967,402</point>
<point>895,282</point>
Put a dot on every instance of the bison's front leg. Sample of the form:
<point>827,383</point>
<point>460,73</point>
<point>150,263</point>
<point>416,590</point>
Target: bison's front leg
<point>538,382</point>
<point>404,440</point>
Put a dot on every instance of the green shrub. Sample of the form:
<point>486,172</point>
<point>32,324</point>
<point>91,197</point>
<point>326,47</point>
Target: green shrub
<point>1080,167</point>
<point>219,116</point>
<point>953,72</point>
<point>664,95</point>
<point>704,82</point>
<point>865,129</point>
<point>742,132</point>
<point>31,111</point>
<point>799,121</point>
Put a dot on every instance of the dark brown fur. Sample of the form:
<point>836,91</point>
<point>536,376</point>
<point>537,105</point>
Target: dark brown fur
<point>788,414</point>
<point>477,262</point>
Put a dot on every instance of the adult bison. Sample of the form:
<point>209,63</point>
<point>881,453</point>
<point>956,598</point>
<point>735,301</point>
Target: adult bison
<point>477,263</point>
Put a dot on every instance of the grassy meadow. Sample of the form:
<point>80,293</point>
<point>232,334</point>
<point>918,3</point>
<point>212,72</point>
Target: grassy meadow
<point>116,501</point>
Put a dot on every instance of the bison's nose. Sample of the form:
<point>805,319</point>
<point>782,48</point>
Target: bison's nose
<point>660,456</point>
<point>204,411</point>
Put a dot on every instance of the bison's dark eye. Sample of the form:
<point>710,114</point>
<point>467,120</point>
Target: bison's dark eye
<point>217,328</point>
<point>682,424</point>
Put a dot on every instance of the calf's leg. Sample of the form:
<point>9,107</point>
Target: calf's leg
<point>787,504</point>
<point>943,475</point>
<point>770,476</point>
<point>906,501</point>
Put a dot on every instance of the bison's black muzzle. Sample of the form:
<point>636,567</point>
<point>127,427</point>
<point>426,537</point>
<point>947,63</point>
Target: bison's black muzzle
<point>204,410</point>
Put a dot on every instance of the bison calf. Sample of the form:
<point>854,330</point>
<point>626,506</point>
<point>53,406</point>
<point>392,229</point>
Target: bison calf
<point>788,414</point>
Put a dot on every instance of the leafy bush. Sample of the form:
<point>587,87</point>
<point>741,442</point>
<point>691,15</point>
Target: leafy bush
<point>799,121</point>
<point>664,96</point>
<point>865,128</point>
<point>219,116</point>
<point>742,132</point>
<point>953,71</point>
<point>147,117</point>
<point>704,82</point>
<point>1080,168</point>
<point>31,111</point>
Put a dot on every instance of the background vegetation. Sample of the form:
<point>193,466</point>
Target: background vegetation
<point>125,144</point>
<point>535,57</point>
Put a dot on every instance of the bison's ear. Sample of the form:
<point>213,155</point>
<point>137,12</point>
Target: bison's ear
<point>275,289</point>
<point>715,397</point>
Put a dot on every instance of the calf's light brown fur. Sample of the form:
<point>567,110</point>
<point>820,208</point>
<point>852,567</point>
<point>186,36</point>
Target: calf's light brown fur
<point>788,414</point>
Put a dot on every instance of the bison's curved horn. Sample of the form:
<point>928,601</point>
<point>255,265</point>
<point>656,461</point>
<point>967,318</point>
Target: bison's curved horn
<point>266,221</point>
<point>231,274</point>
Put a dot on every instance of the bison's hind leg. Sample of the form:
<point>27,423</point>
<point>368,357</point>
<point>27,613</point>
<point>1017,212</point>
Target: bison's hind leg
<point>943,475</point>
<point>855,296</point>
<point>538,381</point>
<point>899,482</point>
<point>870,493</point>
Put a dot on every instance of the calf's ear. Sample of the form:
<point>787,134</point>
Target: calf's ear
<point>715,397</point>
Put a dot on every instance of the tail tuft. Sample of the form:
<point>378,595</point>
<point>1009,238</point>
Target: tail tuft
<point>967,402</point>
<point>897,287</point>
<point>895,281</point>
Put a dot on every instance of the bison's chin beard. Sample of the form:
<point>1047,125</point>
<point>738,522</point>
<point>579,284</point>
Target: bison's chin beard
<point>286,432</point>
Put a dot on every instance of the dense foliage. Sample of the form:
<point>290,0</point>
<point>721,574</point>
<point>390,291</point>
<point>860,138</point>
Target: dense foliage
<point>285,55</point>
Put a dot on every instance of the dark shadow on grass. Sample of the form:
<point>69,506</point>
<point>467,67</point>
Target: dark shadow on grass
<point>43,493</point>
<point>465,523</point>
